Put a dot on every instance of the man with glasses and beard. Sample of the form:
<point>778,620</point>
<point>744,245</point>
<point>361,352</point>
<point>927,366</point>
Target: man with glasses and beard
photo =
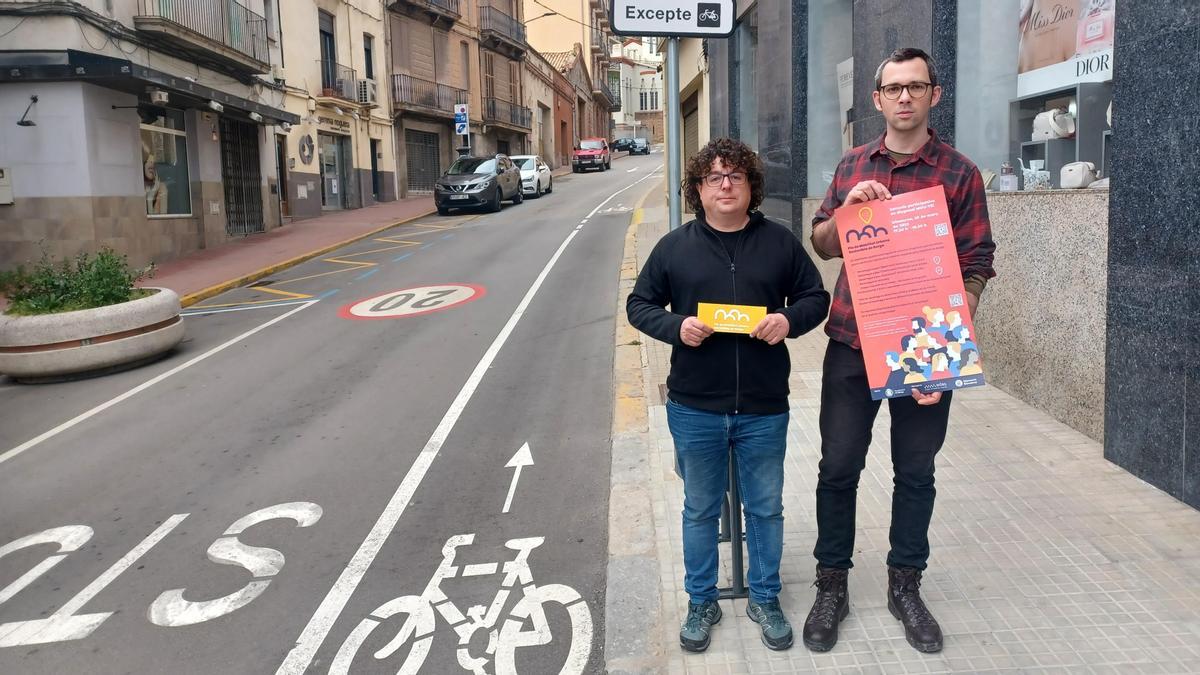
<point>908,156</point>
<point>728,392</point>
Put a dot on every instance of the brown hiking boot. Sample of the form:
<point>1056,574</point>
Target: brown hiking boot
<point>830,607</point>
<point>904,602</point>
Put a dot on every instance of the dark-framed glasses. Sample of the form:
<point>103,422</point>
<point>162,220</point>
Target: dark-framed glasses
<point>915,90</point>
<point>714,180</point>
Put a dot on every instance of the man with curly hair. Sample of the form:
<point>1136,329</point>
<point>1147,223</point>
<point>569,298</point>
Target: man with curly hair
<point>729,392</point>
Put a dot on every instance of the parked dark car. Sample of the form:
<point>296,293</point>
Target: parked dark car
<point>640,146</point>
<point>478,181</point>
<point>622,144</point>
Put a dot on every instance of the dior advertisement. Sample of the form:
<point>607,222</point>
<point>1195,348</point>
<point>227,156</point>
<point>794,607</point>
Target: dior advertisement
<point>1064,42</point>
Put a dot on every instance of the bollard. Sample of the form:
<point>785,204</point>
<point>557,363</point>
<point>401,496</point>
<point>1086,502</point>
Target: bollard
<point>731,513</point>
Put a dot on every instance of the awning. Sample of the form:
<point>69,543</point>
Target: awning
<point>123,75</point>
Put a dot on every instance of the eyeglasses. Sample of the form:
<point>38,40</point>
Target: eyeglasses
<point>714,180</point>
<point>915,90</point>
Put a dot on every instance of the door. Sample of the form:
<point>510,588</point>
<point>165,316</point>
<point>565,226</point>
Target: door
<point>375,169</point>
<point>423,164</point>
<point>328,50</point>
<point>333,182</point>
<point>282,169</point>
<point>241,177</point>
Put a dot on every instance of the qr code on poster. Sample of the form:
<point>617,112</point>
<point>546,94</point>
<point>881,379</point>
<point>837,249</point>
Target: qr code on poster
<point>956,300</point>
<point>941,230</point>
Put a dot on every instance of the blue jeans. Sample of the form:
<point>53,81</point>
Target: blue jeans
<point>703,441</point>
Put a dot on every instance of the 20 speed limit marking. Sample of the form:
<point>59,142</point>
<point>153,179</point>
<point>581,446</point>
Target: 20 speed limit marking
<point>412,301</point>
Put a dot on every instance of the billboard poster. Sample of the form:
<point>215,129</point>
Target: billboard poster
<point>1063,42</point>
<point>909,301</point>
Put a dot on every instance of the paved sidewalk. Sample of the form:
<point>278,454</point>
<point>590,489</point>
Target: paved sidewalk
<point>1045,556</point>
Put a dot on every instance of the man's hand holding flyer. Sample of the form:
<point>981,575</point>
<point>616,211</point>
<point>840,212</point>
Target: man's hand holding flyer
<point>909,300</point>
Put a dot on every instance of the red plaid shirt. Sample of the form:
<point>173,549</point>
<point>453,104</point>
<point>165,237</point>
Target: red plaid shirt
<point>936,163</point>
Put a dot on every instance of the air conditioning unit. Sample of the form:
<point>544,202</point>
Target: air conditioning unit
<point>347,88</point>
<point>278,73</point>
<point>368,92</point>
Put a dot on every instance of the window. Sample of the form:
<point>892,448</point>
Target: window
<point>470,165</point>
<point>369,56</point>
<point>654,99</point>
<point>745,57</point>
<point>466,66</point>
<point>165,166</point>
<point>643,98</point>
<point>272,19</point>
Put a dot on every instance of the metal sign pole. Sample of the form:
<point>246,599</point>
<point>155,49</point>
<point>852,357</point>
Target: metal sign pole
<point>674,135</point>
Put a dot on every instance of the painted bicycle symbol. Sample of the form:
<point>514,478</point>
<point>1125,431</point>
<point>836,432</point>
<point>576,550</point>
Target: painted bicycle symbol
<point>502,643</point>
<point>708,15</point>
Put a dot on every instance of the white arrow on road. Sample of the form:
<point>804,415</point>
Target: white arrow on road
<point>522,459</point>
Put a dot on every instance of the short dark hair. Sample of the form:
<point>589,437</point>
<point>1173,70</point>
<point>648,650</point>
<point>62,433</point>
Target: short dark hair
<point>907,54</point>
<point>733,153</point>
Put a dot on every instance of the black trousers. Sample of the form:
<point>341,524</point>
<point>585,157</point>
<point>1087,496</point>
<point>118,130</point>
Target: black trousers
<point>847,415</point>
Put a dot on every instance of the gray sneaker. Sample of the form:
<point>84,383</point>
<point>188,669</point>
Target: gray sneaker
<point>697,627</point>
<point>776,631</point>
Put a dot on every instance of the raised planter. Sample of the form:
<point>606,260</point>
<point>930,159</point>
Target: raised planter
<point>54,346</point>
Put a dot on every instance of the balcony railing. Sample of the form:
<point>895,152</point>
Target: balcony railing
<point>408,91</point>
<point>504,112</point>
<point>338,81</point>
<point>599,44</point>
<point>223,22</point>
<point>439,8</point>
<point>614,101</point>
<point>497,22</point>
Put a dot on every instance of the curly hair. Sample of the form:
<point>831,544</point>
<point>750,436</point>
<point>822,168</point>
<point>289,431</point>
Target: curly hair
<point>734,154</point>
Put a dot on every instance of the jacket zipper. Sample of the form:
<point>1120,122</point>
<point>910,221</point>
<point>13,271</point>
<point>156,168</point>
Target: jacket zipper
<point>737,357</point>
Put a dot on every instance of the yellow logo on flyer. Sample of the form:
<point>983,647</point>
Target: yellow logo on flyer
<point>730,318</point>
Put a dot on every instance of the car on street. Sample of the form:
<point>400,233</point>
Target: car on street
<point>536,178</point>
<point>622,144</point>
<point>478,181</point>
<point>591,153</point>
<point>640,146</point>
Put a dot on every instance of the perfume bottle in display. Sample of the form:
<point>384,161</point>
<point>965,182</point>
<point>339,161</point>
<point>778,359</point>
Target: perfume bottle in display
<point>1008,178</point>
<point>1095,27</point>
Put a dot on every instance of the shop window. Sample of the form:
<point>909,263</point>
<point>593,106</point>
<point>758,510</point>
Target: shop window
<point>165,166</point>
<point>830,90</point>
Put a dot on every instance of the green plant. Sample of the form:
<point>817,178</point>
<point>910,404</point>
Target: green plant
<point>67,285</point>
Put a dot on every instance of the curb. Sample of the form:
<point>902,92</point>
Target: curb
<point>633,595</point>
<point>217,289</point>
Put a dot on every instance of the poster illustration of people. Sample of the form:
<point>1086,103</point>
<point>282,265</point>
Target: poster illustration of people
<point>908,293</point>
<point>1064,42</point>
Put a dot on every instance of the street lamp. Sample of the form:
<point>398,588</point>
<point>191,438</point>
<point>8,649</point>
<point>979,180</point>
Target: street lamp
<point>542,16</point>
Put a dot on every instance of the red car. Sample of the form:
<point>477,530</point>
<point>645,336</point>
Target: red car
<point>592,153</point>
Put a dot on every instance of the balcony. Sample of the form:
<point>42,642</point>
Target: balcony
<point>338,83</point>
<point>413,94</point>
<point>599,44</point>
<point>496,111</point>
<point>501,32</point>
<point>222,29</point>
<point>440,11</point>
<point>605,96</point>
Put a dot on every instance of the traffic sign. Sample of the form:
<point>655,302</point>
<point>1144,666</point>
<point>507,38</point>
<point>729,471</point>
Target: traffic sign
<point>460,128</point>
<point>674,18</point>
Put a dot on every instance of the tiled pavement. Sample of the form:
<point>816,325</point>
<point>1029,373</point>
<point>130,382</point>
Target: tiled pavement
<point>1046,558</point>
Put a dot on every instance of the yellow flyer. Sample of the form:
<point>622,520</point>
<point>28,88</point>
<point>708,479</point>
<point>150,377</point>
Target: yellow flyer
<point>724,318</point>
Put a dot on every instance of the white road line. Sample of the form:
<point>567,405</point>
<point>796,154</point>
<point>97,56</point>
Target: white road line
<point>202,312</point>
<point>145,385</point>
<point>299,658</point>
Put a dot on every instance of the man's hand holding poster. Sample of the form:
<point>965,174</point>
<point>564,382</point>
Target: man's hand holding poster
<point>909,300</point>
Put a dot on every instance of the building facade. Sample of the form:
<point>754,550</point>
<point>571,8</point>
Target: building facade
<point>636,73</point>
<point>549,95</point>
<point>144,127</point>
<point>449,52</point>
<point>341,155</point>
<point>1087,278</point>
<point>582,27</point>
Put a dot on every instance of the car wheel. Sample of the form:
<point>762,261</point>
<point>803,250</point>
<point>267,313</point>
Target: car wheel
<point>537,190</point>
<point>608,165</point>
<point>518,197</point>
<point>494,207</point>
<point>443,211</point>
<point>550,186</point>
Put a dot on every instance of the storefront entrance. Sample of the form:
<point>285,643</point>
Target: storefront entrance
<point>334,159</point>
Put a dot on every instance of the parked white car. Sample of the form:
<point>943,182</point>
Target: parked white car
<point>536,178</point>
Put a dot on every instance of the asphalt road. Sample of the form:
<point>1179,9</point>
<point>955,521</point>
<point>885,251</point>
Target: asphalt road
<point>338,471</point>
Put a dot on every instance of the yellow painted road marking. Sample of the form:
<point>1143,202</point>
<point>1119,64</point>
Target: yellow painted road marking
<point>289,294</point>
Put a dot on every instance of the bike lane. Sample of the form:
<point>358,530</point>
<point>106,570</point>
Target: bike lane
<point>289,442</point>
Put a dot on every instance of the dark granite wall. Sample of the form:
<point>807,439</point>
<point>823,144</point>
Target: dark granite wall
<point>881,27</point>
<point>1152,397</point>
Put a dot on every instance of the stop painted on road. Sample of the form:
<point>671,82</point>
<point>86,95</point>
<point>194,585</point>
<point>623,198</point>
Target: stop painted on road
<point>412,301</point>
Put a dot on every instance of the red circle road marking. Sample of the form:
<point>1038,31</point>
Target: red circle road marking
<point>368,308</point>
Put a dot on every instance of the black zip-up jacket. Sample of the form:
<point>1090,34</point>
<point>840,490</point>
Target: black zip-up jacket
<point>728,373</point>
